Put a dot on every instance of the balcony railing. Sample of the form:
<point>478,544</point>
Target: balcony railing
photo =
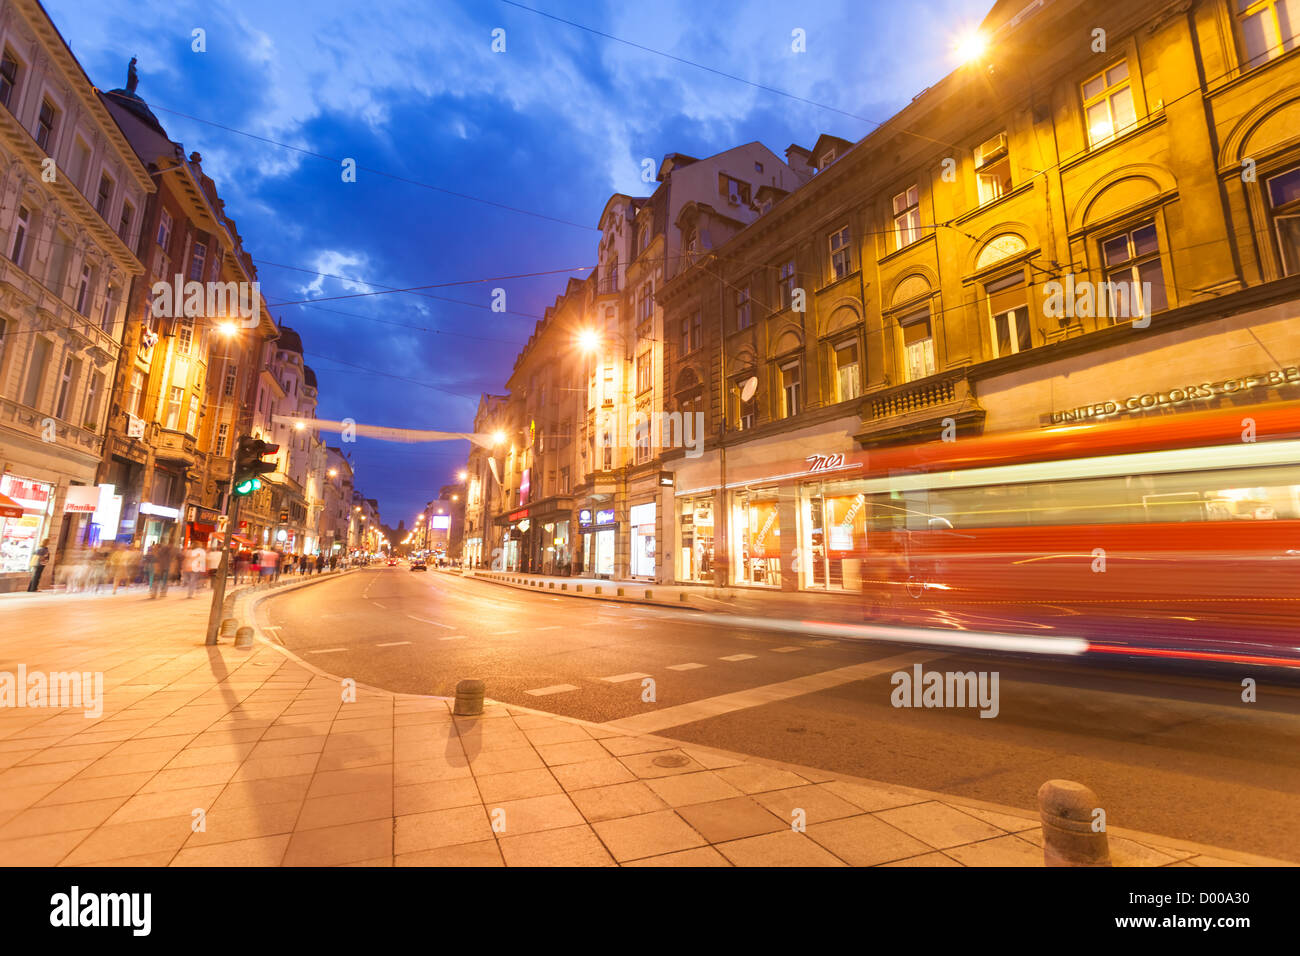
<point>919,396</point>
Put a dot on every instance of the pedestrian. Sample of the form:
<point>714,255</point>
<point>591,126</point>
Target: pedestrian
<point>255,565</point>
<point>269,561</point>
<point>194,567</point>
<point>304,563</point>
<point>320,562</point>
<point>161,574</point>
<point>214,554</point>
<point>117,559</point>
<point>42,559</point>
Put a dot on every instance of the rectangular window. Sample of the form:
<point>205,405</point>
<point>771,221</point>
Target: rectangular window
<point>1135,278</point>
<point>848,371</point>
<point>644,362</point>
<point>993,169</point>
<point>1268,28</point>
<point>841,259</point>
<point>105,195</point>
<point>83,291</point>
<point>185,336</point>
<point>790,386</point>
<point>56,275</point>
<point>918,345</point>
<point>124,225</point>
<point>22,226</point>
<point>786,284</point>
<point>742,410</point>
<point>1108,104</point>
<point>95,390</point>
<point>744,316</point>
<point>1009,315</point>
<point>45,122</point>
<point>36,371</point>
<point>685,344</point>
<point>223,436</point>
<point>228,387</point>
<point>165,230</point>
<point>197,255</point>
<point>697,331</point>
<point>79,173</point>
<point>192,422</point>
<point>907,217</point>
<point>1284,201</point>
<point>175,397</point>
<point>645,303</point>
<point>106,315</point>
<point>8,79</point>
<point>136,396</point>
<point>66,383</point>
<point>564,481</point>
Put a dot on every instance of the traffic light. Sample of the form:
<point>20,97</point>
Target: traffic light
<point>249,464</point>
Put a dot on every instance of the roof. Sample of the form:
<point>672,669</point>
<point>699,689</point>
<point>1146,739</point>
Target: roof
<point>308,376</point>
<point>289,341</point>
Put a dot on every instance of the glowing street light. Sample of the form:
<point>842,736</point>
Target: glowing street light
<point>589,340</point>
<point>498,437</point>
<point>971,46</point>
<point>228,329</point>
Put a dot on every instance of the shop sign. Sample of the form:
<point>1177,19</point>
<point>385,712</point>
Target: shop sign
<point>134,426</point>
<point>1174,397</point>
<point>82,499</point>
<point>584,518</point>
<point>824,462</point>
<point>665,479</point>
<point>516,516</point>
<point>605,516</point>
<point>32,495</point>
<point>159,511</point>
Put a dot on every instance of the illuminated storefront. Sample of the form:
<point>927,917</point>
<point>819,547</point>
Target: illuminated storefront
<point>832,534</point>
<point>642,522</point>
<point>21,535</point>
<point>696,528</point>
<point>598,541</point>
<point>756,536</point>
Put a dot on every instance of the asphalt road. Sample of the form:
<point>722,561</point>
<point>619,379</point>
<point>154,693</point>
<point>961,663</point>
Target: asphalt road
<point>1176,753</point>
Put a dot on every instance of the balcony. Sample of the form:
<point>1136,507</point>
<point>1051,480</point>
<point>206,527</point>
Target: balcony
<point>176,446</point>
<point>608,285</point>
<point>917,410</point>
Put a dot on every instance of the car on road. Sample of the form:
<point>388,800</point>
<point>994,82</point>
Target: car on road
<point>417,564</point>
<point>392,562</point>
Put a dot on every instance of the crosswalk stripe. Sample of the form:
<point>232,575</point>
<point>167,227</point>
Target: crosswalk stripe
<point>739,657</point>
<point>685,667</point>
<point>619,678</point>
<point>329,650</point>
<point>785,650</point>
<point>555,689</point>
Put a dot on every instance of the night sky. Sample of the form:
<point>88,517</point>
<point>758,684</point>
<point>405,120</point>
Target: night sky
<point>551,127</point>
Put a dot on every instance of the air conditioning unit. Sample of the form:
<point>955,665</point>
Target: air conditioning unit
<point>733,192</point>
<point>990,151</point>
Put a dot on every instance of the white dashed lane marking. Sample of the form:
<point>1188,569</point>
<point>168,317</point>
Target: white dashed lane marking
<point>392,643</point>
<point>619,678</point>
<point>378,605</point>
<point>454,637</point>
<point>685,667</point>
<point>329,650</point>
<point>553,627</point>
<point>739,657</point>
<point>555,689</point>
<point>785,650</point>
<point>425,620</point>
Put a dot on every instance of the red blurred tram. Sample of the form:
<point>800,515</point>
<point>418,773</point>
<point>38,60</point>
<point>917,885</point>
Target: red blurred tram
<point>1176,536</point>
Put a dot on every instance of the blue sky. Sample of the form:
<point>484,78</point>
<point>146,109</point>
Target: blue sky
<point>554,125</point>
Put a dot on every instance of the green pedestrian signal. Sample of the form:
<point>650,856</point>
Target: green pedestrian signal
<point>248,486</point>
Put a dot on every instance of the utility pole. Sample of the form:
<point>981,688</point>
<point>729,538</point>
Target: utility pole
<point>219,582</point>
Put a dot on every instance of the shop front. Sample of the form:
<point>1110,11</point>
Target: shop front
<point>159,523</point>
<point>27,513</point>
<point>641,521</point>
<point>696,528</point>
<point>599,531</point>
<point>756,536</point>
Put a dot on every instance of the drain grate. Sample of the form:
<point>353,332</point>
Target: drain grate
<point>671,760</point>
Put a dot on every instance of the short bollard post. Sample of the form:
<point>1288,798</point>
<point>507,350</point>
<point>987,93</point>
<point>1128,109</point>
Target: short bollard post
<point>1067,810</point>
<point>228,627</point>
<point>244,637</point>
<point>469,698</point>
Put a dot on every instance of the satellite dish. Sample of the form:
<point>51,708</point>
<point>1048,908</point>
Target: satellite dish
<point>749,388</point>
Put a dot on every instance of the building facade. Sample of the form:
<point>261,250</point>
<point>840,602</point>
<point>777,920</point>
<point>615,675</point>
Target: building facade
<point>1117,237</point>
<point>72,193</point>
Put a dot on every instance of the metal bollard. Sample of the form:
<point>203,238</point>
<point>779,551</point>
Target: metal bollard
<point>228,627</point>
<point>1066,810</point>
<point>469,698</point>
<point>244,637</point>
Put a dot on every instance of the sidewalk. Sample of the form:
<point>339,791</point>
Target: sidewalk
<point>208,756</point>
<point>834,606</point>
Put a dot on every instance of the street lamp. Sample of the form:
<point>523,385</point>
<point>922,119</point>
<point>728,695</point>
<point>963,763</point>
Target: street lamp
<point>971,46</point>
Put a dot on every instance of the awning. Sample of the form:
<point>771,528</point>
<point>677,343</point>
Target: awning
<point>9,508</point>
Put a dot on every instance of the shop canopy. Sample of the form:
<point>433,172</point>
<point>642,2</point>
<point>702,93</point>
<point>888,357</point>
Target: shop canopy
<point>9,508</point>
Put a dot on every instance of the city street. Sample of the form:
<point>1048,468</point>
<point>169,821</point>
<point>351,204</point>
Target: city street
<point>1167,753</point>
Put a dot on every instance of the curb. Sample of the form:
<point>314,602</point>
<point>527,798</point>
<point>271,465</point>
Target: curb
<point>524,582</point>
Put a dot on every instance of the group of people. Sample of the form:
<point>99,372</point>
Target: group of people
<point>124,566</point>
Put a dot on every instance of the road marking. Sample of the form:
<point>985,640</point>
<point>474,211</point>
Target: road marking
<point>785,650</point>
<point>378,605</point>
<point>739,657</point>
<point>655,721</point>
<point>685,667</point>
<point>820,643</point>
<point>503,633</point>
<point>270,627</point>
<point>619,678</point>
<point>454,637</point>
<point>392,643</point>
<point>329,650</point>
<point>425,620</point>
<point>552,627</point>
<point>556,689</point>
